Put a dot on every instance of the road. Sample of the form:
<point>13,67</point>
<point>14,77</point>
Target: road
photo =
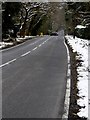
<point>34,78</point>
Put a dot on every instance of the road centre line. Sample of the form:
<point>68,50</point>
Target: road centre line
<point>21,45</point>
<point>25,54</point>
<point>40,45</point>
<point>13,60</point>
<point>44,42</point>
<point>3,65</point>
<point>8,63</point>
<point>34,48</point>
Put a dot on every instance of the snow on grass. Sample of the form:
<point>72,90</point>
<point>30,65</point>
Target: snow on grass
<point>18,39</point>
<point>80,26</point>
<point>4,44</point>
<point>81,47</point>
<point>24,38</point>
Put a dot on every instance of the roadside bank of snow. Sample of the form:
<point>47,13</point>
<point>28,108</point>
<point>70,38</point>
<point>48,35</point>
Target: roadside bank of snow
<point>24,38</point>
<point>5,44</point>
<point>17,41</point>
<point>81,47</point>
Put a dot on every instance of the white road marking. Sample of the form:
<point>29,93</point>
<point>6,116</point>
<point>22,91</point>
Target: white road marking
<point>40,45</point>
<point>25,54</point>
<point>3,65</point>
<point>21,44</point>
<point>34,48</point>
<point>8,63</point>
<point>45,41</point>
<point>68,86</point>
<point>12,61</point>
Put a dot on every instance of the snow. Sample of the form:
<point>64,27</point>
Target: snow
<point>4,44</point>
<point>80,26</point>
<point>18,39</point>
<point>25,38</point>
<point>81,47</point>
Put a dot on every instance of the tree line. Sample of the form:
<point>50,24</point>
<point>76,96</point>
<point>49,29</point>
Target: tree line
<point>30,18</point>
<point>78,13</point>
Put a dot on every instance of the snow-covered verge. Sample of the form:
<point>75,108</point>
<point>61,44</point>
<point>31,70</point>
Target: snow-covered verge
<point>5,44</point>
<point>18,40</point>
<point>81,47</point>
<point>25,38</point>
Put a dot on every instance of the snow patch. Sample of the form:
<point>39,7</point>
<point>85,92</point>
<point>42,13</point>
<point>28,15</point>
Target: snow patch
<point>80,26</point>
<point>81,47</point>
<point>4,44</point>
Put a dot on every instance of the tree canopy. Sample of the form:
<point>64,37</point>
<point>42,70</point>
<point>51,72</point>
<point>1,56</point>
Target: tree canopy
<point>31,18</point>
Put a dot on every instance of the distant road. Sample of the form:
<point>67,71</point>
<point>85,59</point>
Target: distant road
<point>34,78</point>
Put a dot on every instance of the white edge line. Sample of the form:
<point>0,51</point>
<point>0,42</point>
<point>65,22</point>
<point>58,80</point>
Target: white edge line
<point>67,96</point>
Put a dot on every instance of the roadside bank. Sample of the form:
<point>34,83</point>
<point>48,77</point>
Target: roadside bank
<point>74,107</point>
<point>14,42</point>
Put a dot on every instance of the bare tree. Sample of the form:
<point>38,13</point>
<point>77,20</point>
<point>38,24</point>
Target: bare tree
<point>34,14</point>
<point>28,11</point>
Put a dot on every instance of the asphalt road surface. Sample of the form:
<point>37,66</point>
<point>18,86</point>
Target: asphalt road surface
<point>34,78</point>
